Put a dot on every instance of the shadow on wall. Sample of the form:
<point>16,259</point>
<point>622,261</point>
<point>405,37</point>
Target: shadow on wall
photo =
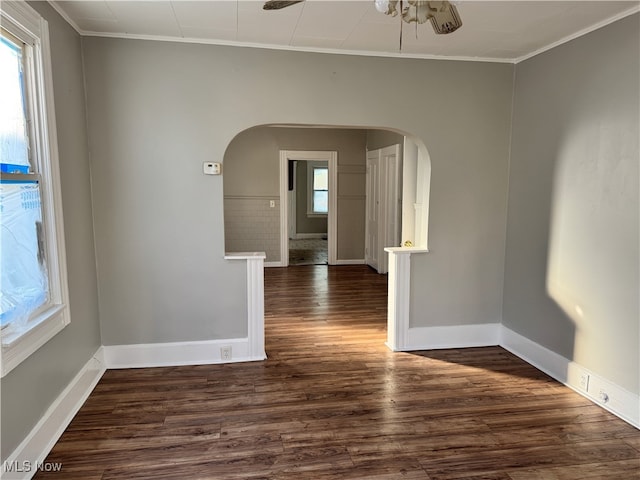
<point>591,274</point>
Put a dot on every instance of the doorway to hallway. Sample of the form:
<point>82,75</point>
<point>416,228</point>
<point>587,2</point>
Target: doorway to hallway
<point>308,251</point>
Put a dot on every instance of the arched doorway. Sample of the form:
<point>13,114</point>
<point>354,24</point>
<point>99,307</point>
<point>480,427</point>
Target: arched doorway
<point>254,193</point>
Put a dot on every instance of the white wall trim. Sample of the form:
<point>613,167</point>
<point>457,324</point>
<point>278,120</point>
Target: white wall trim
<point>63,14</point>
<point>33,450</point>
<point>399,288</point>
<point>398,300</point>
<point>273,264</point>
<point>284,209</point>
<point>602,392</point>
<point>331,157</point>
<point>534,354</point>
<point>620,402</point>
<point>455,336</point>
<point>353,261</point>
<point>177,353</point>
<point>332,217</point>
<point>367,53</point>
<point>255,307</point>
<point>580,33</point>
<point>255,311</point>
<point>334,51</point>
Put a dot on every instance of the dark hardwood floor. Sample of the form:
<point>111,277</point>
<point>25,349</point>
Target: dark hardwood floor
<point>332,402</point>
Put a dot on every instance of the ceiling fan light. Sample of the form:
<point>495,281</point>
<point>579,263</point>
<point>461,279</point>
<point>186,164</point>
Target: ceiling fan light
<point>388,7</point>
<point>382,6</point>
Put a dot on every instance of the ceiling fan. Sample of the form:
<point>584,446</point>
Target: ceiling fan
<point>443,15</point>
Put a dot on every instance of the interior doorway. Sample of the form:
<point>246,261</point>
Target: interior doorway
<point>308,199</point>
<point>316,171</point>
<point>256,185</point>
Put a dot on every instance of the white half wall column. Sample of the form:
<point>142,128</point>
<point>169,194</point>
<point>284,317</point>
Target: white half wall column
<point>255,301</point>
<point>398,300</point>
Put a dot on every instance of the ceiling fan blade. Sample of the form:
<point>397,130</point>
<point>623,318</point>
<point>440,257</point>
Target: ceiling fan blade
<point>278,4</point>
<point>446,20</point>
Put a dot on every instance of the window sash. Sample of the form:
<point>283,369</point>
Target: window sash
<point>14,156</point>
<point>318,186</point>
<point>25,280</point>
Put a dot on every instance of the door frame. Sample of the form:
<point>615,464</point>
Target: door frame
<point>331,157</point>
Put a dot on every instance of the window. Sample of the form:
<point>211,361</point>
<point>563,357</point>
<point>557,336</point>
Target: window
<point>33,284</point>
<point>318,183</point>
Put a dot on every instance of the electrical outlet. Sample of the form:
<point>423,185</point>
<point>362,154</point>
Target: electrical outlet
<point>225,353</point>
<point>584,381</point>
<point>603,396</point>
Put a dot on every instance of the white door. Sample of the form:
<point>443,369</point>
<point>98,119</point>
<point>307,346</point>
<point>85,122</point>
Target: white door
<point>390,217</point>
<point>384,205</point>
<point>371,250</point>
<point>393,197</point>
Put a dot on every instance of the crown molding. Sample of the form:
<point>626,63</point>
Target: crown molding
<point>365,53</point>
<point>54,4</point>
<point>580,33</point>
<point>228,43</point>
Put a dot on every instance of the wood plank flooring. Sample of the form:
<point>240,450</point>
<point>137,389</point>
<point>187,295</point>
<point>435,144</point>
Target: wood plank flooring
<point>332,402</point>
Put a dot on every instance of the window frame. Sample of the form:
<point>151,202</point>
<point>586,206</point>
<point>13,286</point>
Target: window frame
<point>24,23</point>
<point>311,167</point>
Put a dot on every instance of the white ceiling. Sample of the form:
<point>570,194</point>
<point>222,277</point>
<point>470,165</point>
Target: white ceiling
<point>492,30</point>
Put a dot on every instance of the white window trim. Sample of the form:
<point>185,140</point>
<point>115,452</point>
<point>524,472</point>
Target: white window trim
<point>310,167</point>
<point>25,23</point>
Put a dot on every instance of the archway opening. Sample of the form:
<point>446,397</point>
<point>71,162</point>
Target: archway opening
<point>253,188</point>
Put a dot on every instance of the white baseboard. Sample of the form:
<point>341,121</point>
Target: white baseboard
<point>273,264</point>
<point>357,261</point>
<point>177,353</point>
<point>601,391</point>
<point>534,354</point>
<point>28,457</point>
<point>608,395</point>
<point>459,336</point>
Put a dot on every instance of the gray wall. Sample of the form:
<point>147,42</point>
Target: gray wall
<point>31,387</point>
<point>251,175</point>
<point>157,110</point>
<point>571,274</point>
<point>383,138</point>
